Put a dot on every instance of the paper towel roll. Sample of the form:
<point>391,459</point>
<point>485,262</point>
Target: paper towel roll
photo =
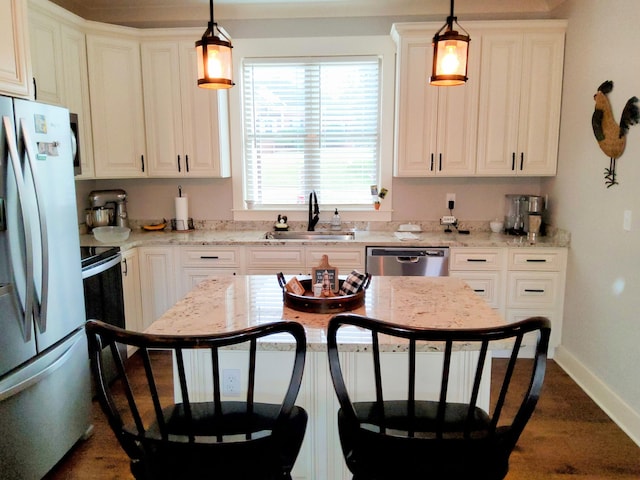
<point>182,213</point>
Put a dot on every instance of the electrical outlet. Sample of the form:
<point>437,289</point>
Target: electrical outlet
<point>448,220</point>
<point>231,382</point>
<point>451,197</point>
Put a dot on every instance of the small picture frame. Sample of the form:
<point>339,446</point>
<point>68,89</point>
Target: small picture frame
<point>318,274</point>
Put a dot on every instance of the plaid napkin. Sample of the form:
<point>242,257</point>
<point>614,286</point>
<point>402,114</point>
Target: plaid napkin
<point>353,283</point>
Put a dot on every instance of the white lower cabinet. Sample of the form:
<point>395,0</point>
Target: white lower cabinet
<point>272,260</point>
<point>197,263</point>
<point>300,260</point>
<point>345,259</point>
<point>535,287</point>
<point>158,277</point>
<point>483,270</point>
<point>519,282</point>
<point>131,292</point>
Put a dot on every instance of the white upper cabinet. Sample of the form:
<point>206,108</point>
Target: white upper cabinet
<point>435,126</point>
<point>186,126</point>
<point>117,113</point>
<point>59,63</point>
<point>15,72</point>
<point>503,122</point>
<point>76,92</point>
<point>46,58</point>
<point>520,97</point>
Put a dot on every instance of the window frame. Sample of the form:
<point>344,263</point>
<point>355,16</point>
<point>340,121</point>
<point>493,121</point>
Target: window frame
<point>378,45</point>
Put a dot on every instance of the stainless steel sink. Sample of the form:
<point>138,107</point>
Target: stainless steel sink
<point>316,235</point>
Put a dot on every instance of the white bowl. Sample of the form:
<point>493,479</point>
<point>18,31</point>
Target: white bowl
<point>111,234</point>
<point>496,227</point>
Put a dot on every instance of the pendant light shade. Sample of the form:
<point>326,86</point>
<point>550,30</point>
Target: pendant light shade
<point>450,54</point>
<point>213,53</point>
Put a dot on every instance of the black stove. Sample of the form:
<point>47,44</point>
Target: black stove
<point>92,256</point>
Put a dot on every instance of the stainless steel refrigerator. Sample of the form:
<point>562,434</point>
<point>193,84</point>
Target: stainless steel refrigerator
<point>45,399</point>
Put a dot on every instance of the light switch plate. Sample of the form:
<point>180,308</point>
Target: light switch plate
<point>626,220</point>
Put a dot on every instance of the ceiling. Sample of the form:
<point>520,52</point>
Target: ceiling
<point>182,13</point>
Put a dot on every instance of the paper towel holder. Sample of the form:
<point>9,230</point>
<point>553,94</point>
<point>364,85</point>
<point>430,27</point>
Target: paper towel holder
<point>179,226</point>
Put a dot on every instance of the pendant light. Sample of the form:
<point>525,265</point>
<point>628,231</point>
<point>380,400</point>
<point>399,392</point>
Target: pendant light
<point>214,57</point>
<point>450,54</point>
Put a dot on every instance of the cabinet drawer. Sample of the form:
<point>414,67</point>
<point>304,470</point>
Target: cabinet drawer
<point>278,258</point>
<point>540,259</point>
<point>209,257</point>
<point>485,284</point>
<point>539,289</point>
<point>476,258</point>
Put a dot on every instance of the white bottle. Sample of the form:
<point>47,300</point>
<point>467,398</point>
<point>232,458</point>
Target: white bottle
<point>336,223</point>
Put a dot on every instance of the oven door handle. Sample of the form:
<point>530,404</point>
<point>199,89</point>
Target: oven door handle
<point>101,267</point>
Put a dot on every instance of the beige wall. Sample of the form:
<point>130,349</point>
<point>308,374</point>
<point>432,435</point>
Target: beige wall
<point>601,334</point>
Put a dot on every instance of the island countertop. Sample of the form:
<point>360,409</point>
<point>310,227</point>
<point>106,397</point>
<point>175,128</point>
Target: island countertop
<point>226,303</point>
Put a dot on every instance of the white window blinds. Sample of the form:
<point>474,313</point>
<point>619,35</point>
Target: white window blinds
<point>311,124</point>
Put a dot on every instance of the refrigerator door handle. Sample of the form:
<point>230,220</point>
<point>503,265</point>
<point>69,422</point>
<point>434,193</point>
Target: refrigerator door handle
<point>40,310</point>
<point>19,179</point>
<point>32,379</point>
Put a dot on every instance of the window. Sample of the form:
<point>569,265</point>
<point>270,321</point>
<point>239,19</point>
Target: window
<point>311,124</point>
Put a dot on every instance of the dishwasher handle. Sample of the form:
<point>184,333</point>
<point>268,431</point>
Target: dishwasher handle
<point>407,259</point>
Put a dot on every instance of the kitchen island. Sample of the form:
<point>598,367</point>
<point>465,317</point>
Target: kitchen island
<point>226,303</point>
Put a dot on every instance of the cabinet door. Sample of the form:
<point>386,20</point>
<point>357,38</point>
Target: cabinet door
<point>76,92</point>
<point>436,127</point>
<point>157,281</point>
<point>187,127</point>
<point>46,58</point>
<point>501,67</point>
<point>131,291</point>
<point>205,118</point>
<point>417,114</point>
<point>115,81</point>
<point>541,96</point>
<point>519,113</point>
<point>163,110</point>
<point>15,72</point>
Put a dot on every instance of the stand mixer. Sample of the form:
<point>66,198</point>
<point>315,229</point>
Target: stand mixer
<point>107,207</point>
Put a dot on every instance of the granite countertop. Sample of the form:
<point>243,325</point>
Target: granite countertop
<point>362,238</point>
<point>226,303</point>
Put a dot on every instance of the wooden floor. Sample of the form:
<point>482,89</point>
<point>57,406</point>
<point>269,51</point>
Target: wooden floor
<point>569,438</point>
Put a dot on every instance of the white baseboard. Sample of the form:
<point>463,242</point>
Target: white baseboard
<point>616,408</point>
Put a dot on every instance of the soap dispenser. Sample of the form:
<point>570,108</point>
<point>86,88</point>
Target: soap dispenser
<point>336,223</point>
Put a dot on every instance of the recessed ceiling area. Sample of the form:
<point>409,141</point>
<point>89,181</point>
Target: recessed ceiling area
<point>186,13</point>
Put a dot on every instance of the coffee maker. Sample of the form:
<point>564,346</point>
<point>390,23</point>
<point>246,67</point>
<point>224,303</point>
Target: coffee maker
<point>523,215</point>
<point>107,207</point>
<point>535,207</point>
<point>516,208</point>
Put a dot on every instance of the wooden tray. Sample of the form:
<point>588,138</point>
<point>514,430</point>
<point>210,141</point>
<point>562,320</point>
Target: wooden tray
<point>311,304</point>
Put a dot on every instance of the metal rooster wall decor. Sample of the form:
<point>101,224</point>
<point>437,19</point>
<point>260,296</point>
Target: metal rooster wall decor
<point>611,136</point>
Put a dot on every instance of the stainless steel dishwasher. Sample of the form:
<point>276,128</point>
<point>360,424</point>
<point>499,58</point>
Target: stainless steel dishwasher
<point>409,261</point>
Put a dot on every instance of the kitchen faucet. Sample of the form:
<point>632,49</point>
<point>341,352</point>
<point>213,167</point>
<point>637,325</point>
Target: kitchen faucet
<point>314,211</point>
